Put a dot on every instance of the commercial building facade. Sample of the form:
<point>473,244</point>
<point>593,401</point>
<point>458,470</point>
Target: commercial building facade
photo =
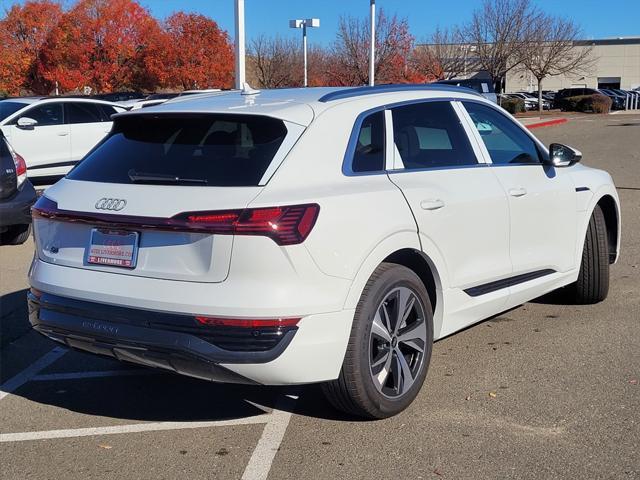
<point>616,64</point>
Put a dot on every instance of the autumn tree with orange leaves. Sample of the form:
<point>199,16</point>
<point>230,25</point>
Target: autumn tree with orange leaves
<point>22,33</point>
<point>198,54</point>
<point>109,45</point>
<point>100,44</point>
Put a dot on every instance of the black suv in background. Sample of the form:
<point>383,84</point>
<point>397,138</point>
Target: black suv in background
<point>16,196</point>
<point>558,101</point>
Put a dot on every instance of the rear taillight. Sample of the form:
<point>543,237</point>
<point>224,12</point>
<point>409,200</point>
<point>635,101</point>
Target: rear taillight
<point>287,225</point>
<point>21,166</point>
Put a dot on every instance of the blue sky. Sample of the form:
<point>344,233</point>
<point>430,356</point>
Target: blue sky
<point>599,19</point>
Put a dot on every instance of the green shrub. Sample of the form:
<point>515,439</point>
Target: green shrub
<point>513,105</point>
<point>587,103</point>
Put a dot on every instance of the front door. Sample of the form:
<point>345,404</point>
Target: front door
<point>46,145</point>
<point>459,205</point>
<point>542,199</point>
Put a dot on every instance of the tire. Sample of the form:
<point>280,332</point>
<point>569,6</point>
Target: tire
<point>592,285</point>
<point>383,372</point>
<point>16,234</point>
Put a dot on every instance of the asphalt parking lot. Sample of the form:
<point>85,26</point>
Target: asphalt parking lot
<point>543,391</point>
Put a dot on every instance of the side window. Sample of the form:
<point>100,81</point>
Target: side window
<point>46,115</point>
<point>505,141</point>
<point>107,111</point>
<point>369,152</point>
<point>429,134</point>
<point>82,112</point>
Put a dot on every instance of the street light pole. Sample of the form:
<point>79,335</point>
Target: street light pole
<point>372,50</point>
<point>304,51</point>
<point>303,24</point>
<point>239,23</point>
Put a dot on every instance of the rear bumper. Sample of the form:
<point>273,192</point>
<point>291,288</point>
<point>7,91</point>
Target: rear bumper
<point>313,352</point>
<point>16,210</point>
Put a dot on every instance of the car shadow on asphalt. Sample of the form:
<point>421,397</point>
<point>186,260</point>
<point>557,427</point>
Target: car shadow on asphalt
<point>14,316</point>
<point>163,396</point>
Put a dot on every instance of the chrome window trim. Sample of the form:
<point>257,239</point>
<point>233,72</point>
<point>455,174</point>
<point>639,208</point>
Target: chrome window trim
<point>347,160</point>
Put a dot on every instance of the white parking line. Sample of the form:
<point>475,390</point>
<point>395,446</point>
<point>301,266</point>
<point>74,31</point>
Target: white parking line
<point>133,428</point>
<point>28,373</point>
<point>48,377</point>
<point>263,455</point>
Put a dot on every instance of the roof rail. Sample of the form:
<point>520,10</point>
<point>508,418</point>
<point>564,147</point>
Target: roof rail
<point>387,88</point>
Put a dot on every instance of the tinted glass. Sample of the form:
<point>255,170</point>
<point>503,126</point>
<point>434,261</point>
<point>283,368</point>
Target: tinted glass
<point>505,141</point>
<point>369,152</point>
<point>46,114</point>
<point>430,135</point>
<point>107,111</point>
<point>218,150</point>
<point>7,108</point>
<point>83,113</point>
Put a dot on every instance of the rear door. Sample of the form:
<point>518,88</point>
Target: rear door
<point>459,205</point>
<point>45,145</point>
<point>542,199</point>
<point>88,124</point>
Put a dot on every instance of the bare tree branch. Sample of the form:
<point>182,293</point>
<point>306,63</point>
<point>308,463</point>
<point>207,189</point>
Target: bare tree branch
<point>443,56</point>
<point>275,62</point>
<point>551,50</point>
<point>497,33</point>
<point>350,51</point>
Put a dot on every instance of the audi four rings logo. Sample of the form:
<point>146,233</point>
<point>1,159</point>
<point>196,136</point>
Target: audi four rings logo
<point>114,204</point>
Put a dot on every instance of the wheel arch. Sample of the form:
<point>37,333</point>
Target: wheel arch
<point>611,214</point>
<point>427,265</point>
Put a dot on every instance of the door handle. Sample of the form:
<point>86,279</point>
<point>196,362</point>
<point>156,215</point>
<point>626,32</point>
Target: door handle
<point>517,192</point>
<point>431,204</point>
<point>63,134</point>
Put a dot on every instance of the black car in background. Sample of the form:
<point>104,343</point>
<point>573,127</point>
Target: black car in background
<point>617,99</point>
<point>16,196</point>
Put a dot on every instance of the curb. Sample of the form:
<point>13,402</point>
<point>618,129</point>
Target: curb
<point>548,123</point>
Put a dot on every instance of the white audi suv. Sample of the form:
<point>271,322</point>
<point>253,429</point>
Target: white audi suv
<point>314,235</point>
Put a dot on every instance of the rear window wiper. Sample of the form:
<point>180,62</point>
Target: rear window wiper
<point>160,178</point>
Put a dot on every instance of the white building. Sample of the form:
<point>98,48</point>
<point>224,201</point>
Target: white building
<point>616,65</point>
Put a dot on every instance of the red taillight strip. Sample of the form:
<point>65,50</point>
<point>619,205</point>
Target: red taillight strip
<point>287,225</point>
<point>247,322</point>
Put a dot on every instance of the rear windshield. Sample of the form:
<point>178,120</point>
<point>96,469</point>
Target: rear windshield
<point>206,150</point>
<point>7,108</point>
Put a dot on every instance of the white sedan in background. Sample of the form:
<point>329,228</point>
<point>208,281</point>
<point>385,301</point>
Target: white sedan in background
<point>54,133</point>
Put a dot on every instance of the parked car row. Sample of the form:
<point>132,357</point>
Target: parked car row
<point>618,96</point>
<point>620,99</point>
<point>530,100</point>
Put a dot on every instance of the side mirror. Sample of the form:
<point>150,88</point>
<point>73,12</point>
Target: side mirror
<point>26,123</point>
<point>563,156</point>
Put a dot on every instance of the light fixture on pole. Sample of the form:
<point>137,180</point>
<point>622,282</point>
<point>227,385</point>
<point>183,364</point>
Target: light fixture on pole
<point>303,24</point>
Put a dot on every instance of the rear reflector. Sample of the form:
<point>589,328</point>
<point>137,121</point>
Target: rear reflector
<point>286,225</point>
<point>247,322</point>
